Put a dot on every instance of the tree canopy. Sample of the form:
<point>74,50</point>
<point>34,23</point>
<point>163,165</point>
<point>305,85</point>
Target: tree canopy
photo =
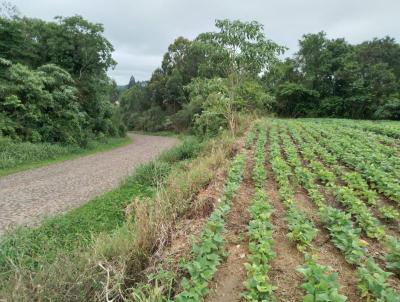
<point>53,80</point>
<point>229,60</point>
<point>332,78</point>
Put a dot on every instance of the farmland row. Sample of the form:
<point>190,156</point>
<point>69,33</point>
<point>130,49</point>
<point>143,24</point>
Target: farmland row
<point>353,154</point>
<point>257,285</point>
<point>318,280</point>
<point>386,156</point>
<point>343,234</point>
<point>387,143</point>
<point>389,129</point>
<point>340,204</point>
<point>353,179</point>
<point>347,197</point>
<point>208,251</point>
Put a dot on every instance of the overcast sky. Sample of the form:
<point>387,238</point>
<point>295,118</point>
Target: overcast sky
<point>142,30</point>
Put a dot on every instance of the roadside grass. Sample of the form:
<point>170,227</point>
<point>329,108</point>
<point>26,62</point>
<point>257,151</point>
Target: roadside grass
<point>104,265</point>
<point>30,250</point>
<point>35,247</point>
<point>21,156</point>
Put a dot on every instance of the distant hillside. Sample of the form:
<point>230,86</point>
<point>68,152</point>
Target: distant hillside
<point>122,88</point>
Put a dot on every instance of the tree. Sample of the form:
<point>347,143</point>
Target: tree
<point>352,81</point>
<point>248,52</point>
<point>42,104</point>
<point>131,82</point>
<point>296,100</point>
<point>8,10</point>
<point>54,80</point>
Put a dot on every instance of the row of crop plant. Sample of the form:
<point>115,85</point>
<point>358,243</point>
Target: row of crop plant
<point>356,207</point>
<point>360,158</point>
<point>320,283</point>
<point>372,280</point>
<point>260,230</point>
<point>207,252</point>
<point>353,179</point>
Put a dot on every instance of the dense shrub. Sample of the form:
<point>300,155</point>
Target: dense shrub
<point>152,173</point>
<point>53,81</point>
<point>333,78</point>
<point>188,149</point>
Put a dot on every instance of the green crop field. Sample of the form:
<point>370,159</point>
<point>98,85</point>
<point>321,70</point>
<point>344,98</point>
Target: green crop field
<point>335,179</point>
<point>261,160</point>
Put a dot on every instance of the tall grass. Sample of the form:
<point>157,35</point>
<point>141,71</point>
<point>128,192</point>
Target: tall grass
<point>108,266</point>
<point>18,156</point>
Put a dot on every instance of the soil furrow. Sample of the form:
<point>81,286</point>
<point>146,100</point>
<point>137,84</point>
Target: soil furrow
<point>227,284</point>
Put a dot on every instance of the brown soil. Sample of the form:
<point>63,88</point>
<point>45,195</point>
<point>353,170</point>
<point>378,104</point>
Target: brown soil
<point>188,228</point>
<point>227,284</point>
<point>375,248</point>
<point>283,274</point>
<point>326,253</point>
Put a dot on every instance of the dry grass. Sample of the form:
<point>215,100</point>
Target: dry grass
<point>114,262</point>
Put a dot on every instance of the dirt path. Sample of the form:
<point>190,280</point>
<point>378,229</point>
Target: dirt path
<point>27,196</point>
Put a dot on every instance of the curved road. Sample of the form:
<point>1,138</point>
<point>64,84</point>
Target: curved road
<point>27,196</point>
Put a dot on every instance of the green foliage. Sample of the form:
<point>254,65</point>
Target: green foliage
<point>365,219</point>
<point>372,281</point>
<point>295,100</point>
<point>203,84</point>
<point>53,81</point>
<point>207,252</point>
<point>332,78</point>
<point>344,236</point>
<point>251,135</point>
<point>249,52</point>
<point>392,257</point>
<point>258,287</point>
<point>152,173</point>
<point>259,172</point>
<point>301,229</point>
<point>390,110</point>
<point>17,156</point>
<point>155,172</point>
<point>188,149</point>
<point>216,107</point>
<point>321,285</point>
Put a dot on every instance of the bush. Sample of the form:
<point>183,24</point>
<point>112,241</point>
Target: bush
<point>152,173</point>
<point>189,148</point>
<point>390,110</point>
<point>155,172</point>
<point>13,153</point>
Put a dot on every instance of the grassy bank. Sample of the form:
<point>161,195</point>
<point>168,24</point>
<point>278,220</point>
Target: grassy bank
<point>97,261</point>
<point>29,251</point>
<point>20,156</point>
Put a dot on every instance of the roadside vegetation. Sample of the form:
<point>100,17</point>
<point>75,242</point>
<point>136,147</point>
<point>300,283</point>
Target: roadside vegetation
<point>118,229</point>
<point>56,100</point>
<point>310,206</point>
<point>19,156</point>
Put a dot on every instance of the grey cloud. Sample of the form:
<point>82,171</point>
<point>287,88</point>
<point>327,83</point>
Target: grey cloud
<point>142,30</point>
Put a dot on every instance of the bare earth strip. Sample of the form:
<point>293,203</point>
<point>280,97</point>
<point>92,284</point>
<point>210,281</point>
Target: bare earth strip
<point>26,197</point>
